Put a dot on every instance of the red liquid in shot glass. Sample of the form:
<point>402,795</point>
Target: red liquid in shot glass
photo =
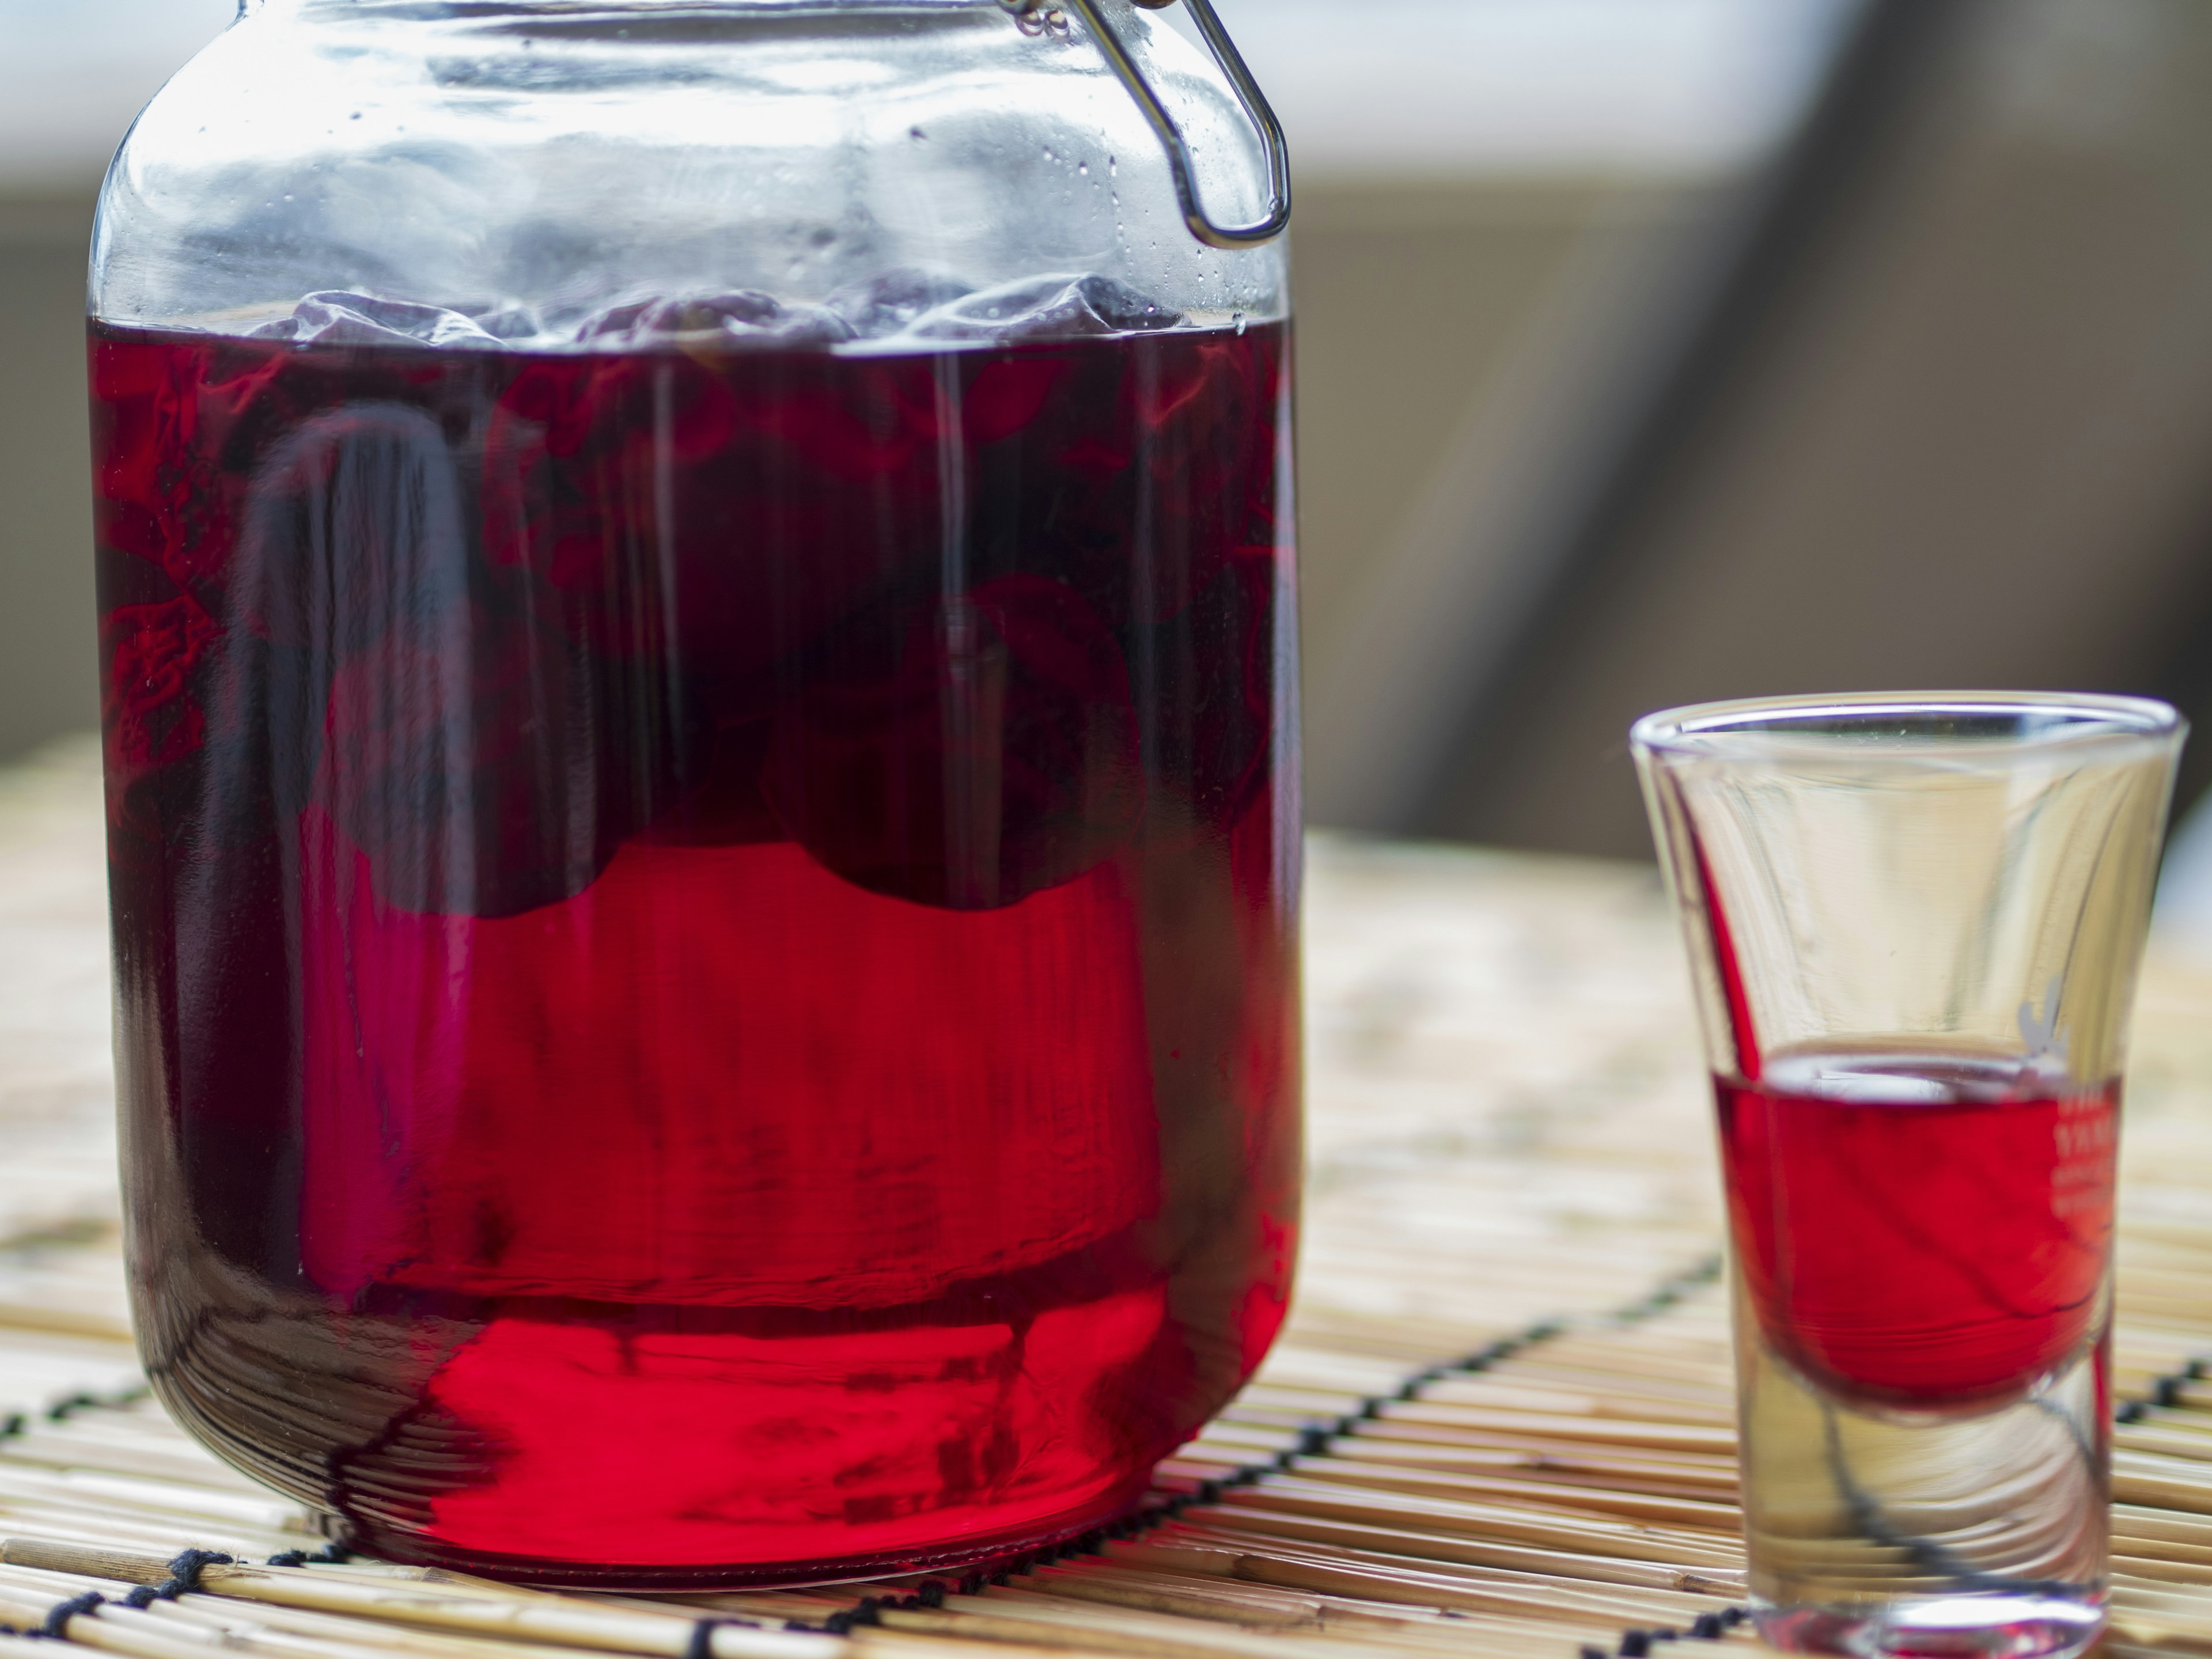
<point>1918,1230</point>
<point>705,941</point>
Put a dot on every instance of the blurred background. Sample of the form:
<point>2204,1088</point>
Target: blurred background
<point>1651,351</point>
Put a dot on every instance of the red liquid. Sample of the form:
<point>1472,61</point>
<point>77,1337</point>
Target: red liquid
<point>1920,1230</point>
<point>705,942</point>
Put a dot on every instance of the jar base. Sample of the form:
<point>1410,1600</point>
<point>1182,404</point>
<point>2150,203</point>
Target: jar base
<point>414,1549</point>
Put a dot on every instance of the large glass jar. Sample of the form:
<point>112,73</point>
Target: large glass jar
<point>698,627</point>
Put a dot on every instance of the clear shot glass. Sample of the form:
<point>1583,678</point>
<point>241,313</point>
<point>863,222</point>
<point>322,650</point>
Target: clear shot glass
<point>1915,922</point>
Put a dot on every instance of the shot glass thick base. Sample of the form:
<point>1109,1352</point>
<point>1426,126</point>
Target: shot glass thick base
<point>1970,1626</point>
<point>1886,1530</point>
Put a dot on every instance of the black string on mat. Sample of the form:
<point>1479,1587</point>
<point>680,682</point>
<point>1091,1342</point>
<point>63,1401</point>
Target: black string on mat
<point>122,1400</point>
<point>701,1645</point>
<point>1638,1644</point>
<point>184,1578</point>
<point>332,1555</point>
<point>14,1425</point>
<point>57,1626</point>
<point>2164,1392</point>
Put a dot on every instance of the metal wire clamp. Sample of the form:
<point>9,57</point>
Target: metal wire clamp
<point>1257,110</point>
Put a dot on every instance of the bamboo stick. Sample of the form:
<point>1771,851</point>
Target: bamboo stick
<point>1373,1575</point>
<point>1567,1476</point>
<point>261,1511</point>
<point>911,1644</point>
<point>1098,1630</point>
<point>1590,1536</point>
<point>2132,1520</point>
<point>462,1608</point>
<point>337,1633</point>
<point>1720,1578</point>
<point>1656,1437</point>
<point>1065,1616</point>
<point>2134,1570</point>
<point>1545,1496</point>
<point>64,1321</point>
<point>264,1628</point>
<point>2168,1483</point>
<point>57,1449</point>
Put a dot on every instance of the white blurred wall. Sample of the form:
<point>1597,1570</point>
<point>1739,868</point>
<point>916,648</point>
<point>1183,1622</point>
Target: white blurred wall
<point>1450,90</point>
<point>73,73</point>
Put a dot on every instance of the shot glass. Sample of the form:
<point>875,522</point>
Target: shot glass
<point>1914,923</point>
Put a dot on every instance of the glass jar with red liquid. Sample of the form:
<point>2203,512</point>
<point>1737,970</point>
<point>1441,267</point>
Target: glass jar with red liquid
<point>698,637</point>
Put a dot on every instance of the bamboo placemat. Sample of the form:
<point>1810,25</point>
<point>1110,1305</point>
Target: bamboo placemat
<point>1500,1423</point>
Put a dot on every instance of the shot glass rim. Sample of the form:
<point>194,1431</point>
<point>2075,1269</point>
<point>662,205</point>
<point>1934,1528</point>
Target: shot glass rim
<point>2081,721</point>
